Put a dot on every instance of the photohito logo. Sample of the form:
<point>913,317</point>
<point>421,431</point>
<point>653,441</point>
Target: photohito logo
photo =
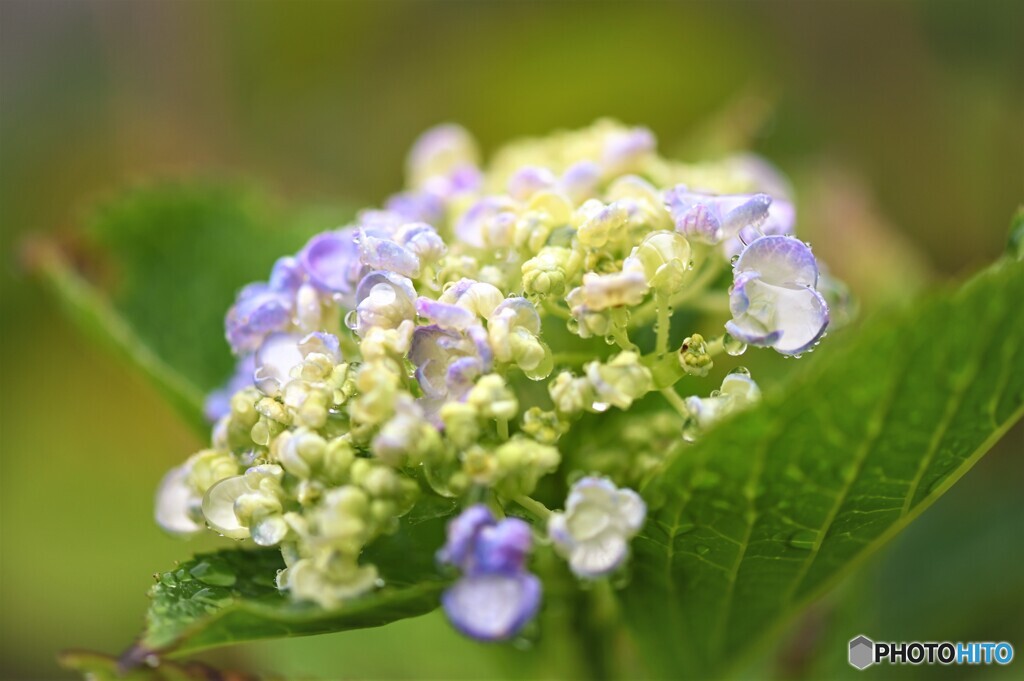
<point>864,652</point>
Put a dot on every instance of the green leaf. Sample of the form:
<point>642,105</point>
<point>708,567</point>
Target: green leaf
<point>229,596</point>
<point>161,267</point>
<point>774,507</point>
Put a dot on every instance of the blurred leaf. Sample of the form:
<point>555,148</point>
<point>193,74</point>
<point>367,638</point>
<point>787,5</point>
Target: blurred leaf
<point>99,667</point>
<point>230,596</point>
<point>171,258</point>
<point>769,511</point>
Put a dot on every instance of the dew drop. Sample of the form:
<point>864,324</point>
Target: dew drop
<point>733,346</point>
<point>214,573</point>
<point>701,549</point>
<point>684,526</point>
<point>352,319</point>
<point>734,259</point>
<point>691,430</point>
<point>379,583</point>
<point>743,371</point>
<point>600,407</point>
<point>573,325</point>
<point>609,340</point>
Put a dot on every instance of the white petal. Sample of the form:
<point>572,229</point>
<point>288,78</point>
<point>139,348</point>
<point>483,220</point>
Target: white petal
<point>801,315</point>
<point>173,499</point>
<point>219,507</point>
<point>275,360</point>
<point>598,556</point>
<point>631,510</point>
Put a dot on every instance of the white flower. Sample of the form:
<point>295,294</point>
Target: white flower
<point>175,503</point>
<point>619,381</point>
<point>738,391</point>
<point>773,298</point>
<point>248,505</point>
<point>593,532</point>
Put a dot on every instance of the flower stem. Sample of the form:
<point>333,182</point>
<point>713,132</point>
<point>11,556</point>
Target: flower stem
<point>663,325</point>
<point>537,509</point>
<point>553,308</point>
<point>503,429</point>
<point>676,401</point>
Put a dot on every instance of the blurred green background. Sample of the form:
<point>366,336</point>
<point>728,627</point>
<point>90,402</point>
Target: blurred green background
<point>900,123</point>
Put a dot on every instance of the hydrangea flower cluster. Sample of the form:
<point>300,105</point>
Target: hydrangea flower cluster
<point>447,343</point>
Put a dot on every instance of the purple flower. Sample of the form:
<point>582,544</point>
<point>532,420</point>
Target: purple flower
<point>258,310</point>
<point>492,607</point>
<point>448,360</point>
<point>711,218</point>
<point>580,181</point>
<point>625,149</point>
<point>529,180</point>
<point>496,596</point>
<point>489,223</point>
<point>773,299</point>
<point>385,300</point>
<point>331,260</point>
<point>781,220</point>
<point>418,206</point>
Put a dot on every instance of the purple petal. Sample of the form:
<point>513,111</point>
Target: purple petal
<point>580,180</point>
<point>418,206</point>
<point>287,275</point>
<point>462,533</point>
<point>623,149</point>
<point>257,311</point>
<point>529,180</point>
<point>385,254</point>
<point>445,315</point>
<point>503,547</point>
<point>405,293</point>
<point>492,607</point>
<point>780,261</point>
<point>331,260</point>
<point>694,214</point>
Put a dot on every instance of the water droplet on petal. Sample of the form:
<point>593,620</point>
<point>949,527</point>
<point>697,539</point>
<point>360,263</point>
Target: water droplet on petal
<point>743,371</point>
<point>352,319</point>
<point>691,430</point>
<point>600,406</point>
<point>733,346</point>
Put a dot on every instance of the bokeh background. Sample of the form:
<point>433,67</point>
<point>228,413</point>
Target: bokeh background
<point>901,125</point>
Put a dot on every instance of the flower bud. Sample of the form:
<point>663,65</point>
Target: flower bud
<point>492,398</point>
<point>620,381</point>
<point>694,356</point>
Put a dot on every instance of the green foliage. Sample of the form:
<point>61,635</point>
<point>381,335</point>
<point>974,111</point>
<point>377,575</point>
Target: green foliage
<point>772,508</point>
<point>173,257</point>
<point>230,596</point>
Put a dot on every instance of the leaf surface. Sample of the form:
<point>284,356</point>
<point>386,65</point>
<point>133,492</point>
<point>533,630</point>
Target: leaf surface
<point>229,596</point>
<point>776,505</point>
<point>161,267</point>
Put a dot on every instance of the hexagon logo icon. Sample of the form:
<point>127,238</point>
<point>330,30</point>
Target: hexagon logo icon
<point>862,652</point>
